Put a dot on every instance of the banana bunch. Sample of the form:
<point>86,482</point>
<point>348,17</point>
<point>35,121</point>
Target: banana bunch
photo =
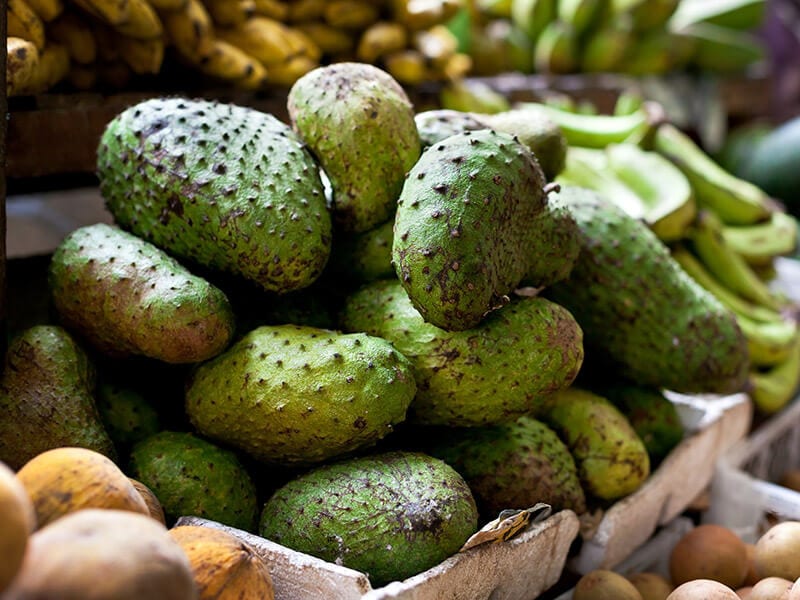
<point>635,37</point>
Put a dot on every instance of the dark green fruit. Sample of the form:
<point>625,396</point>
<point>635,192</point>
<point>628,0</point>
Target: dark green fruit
<point>437,124</point>
<point>389,515</point>
<point>364,256</point>
<point>127,416</point>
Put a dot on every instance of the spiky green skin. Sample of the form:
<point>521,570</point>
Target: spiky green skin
<point>505,367</point>
<point>462,233</point>
<point>390,515</point>
<point>127,297</point>
<point>127,416</point>
<point>192,476</point>
<point>611,458</point>
<point>365,256</point>
<point>512,465</point>
<point>47,397</point>
<point>437,124</point>
<point>295,395</point>
<point>640,312</point>
<point>221,185</point>
<point>541,135</point>
<point>558,247</point>
<point>359,123</point>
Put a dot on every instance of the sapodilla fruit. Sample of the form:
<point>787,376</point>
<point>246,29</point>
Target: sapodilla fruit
<point>17,522</point>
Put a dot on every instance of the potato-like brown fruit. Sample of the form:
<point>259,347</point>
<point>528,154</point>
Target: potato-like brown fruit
<point>602,584</point>
<point>777,551</point>
<point>703,589</point>
<point>794,591</point>
<point>651,586</point>
<point>104,554</point>
<point>17,522</point>
<point>791,480</point>
<point>153,505</point>
<point>744,592</point>
<point>771,588</point>
<point>64,480</point>
<point>223,565</point>
<point>709,552</point>
<point>752,577</point>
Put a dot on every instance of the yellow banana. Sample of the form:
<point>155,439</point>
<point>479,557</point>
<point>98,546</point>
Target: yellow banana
<point>289,71</point>
<point>24,23</point>
<point>142,23</point>
<point>302,45</point>
<point>112,12</point>
<point>114,74</point>
<point>22,58</point>
<point>264,39</point>
<point>424,14</point>
<point>47,9</point>
<point>773,389</point>
<point>162,5</point>
<point>144,57</point>
<point>76,34</point>
<point>229,13</point>
<point>229,63</point>
<point>52,67</point>
<point>105,39</point>
<point>82,77</point>
<point>457,67</point>
<point>734,200</point>
<point>330,40</point>
<point>380,39</point>
<point>351,14</point>
<point>768,343</point>
<point>725,265</point>
<point>306,10</point>
<point>407,66</point>
<point>272,9</point>
<point>190,30</point>
<point>436,44</point>
<point>759,244</point>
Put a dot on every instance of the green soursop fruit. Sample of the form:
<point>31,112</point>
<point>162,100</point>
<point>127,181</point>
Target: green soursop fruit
<point>224,186</point>
<point>558,248</point>
<point>192,476</point>
<point>497,371</point>
<point>47,397</point>
<point>439,123</point>
<point>296,395</point>
<point>359,123</point>
<point>390,515</point>
<point>127,415</point>
<point>463,233</point>
<point>511,465</point>
<point>640,312</point>
<point>364,257</point>
<point>127,297</point>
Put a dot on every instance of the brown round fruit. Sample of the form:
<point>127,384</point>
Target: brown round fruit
<point>744,592</point>
<point>601,584</point>
<point>153,505</point>
<point>771,588</point>
<point>752,577</point>
<point>17,522</point>
<point>794,591</point>
<point>703,589</point>
<point>651,586</point>
<point>709,552</point>
<point>777,551</point>
<point>791,480</point>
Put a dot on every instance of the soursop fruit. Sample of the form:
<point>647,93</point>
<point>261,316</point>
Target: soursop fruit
<point>224,186</point>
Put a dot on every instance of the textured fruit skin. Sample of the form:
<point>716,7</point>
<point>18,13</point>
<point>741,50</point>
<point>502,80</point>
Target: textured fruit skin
<point>128,297</point>
<point>364,256</point>
<point>505,367</point>
<point>47,397</point>
<point>511,465</point>
<point>17,521</point>
<point>295,395</point>
<point>223,565</point>
<point>640,312</point>
<point>437,124</point>
<point>558,247</point>
<point>220,185</point>
<point>359,123</point>
<point>126,415</point>
<point>463,226</point>
<point>191,476</point>
<point>389,515</point>
<point>611,458</point>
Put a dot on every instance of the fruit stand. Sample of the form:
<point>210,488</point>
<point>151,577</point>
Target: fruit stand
<point>409,299</point>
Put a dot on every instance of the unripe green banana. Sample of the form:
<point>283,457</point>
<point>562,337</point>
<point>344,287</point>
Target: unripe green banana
<point>774,389</point>
<point>646,14</point>
<point>768,344</point>
<point>723,50</point>
<point>628,101</point>
<point>581,14</point>
<point>759,244</point>
<point>734,200</point>
<point>532,16</point>
<point>556,49</point>
<point>606,47</point>
<point>744,15</point>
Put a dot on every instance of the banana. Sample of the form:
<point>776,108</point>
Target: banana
<point>229,13</point>
<point>772,390</point>
<point>734,200</point>
<point>228,62</point>
<point>306,10</point>
<point>380,39</point>
<point>82,77</point>
<point>144,57</point>
<point>456,67</point>
<point>656,53</point>
<point>628,101</point>
<point>302,45</point>
<point>768,343</point>
<point>47,10</point>
<point>105,39</point>
<point>424,14</point>
<point>582,14</point>
<point>556,49</point>
<point>759,244</point>
<point>646,15</point>
<point>75,33</point>
<point>163,5</point>
<point>407,66</point>
<point>668,198</point>
<point>350,14</point>
<point>272,9</point>
<point>469,95</point>
<point>142,22</point>
<point>606,47</point>
<point>436,44</point>
<point>330,40</point>
<point>114,74</point>
<point>112,12</point>
<point>532,16</point>
<point>22,58</point>
<point>264,39</point>
<point>24,23</point>
<point>744,15</point>
<point>727,266</point>
<point>722,50</point>
<point>288,72</point>
<point>190,30</point>
<point>52,67</point>
<point>494,8</point>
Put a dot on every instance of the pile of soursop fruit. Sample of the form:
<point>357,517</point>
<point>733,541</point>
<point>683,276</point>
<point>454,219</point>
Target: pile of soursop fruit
<point>365,333</point>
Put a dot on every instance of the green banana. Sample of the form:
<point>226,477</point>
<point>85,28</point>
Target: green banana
<point>581,14</point>
<point>556,49</point>
<point>723,50</point>
<point>495,8</point>
<point>759,244</point>
<point>532,16</point>
<point>734,200</point>
<point>768,344</point>
<point>727,266</point>
<point>628,101</point>
<point>658,52</point>
<point>646,14</point>
<point>664,190</point>
<point>606,47</point>
<point>744,15</point>
<point>774,389</point>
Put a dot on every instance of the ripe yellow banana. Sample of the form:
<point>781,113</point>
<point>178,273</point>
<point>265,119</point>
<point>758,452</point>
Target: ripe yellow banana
<point>272,9</point>
<point>436,44</point>
<point>351,14</point>
<point>302,45</point>
<point>306,10</point>
<point>161,5</point>
<point>407,66</point>
<point>759,244</point>
<point>330,40</point>
<point>456,68</point>
<point>229,13</point>
<point>773,389</point>
<point>112,12</point>
<point>424,14</point>
<point>231,64</point>
<point>24,23</point>
<point>734,200</point>
<point>47,9</point>
<point>105,39</point>
<point>52,67</point>
<point>381,39</point>
<point>22,58</point>
<point>190,30</point>
<point>142,22</point>
<point>82,77</point>
<point>289,71</point>
<point>144,57</point>
<point>264,39</point>
<point>74,32</point>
